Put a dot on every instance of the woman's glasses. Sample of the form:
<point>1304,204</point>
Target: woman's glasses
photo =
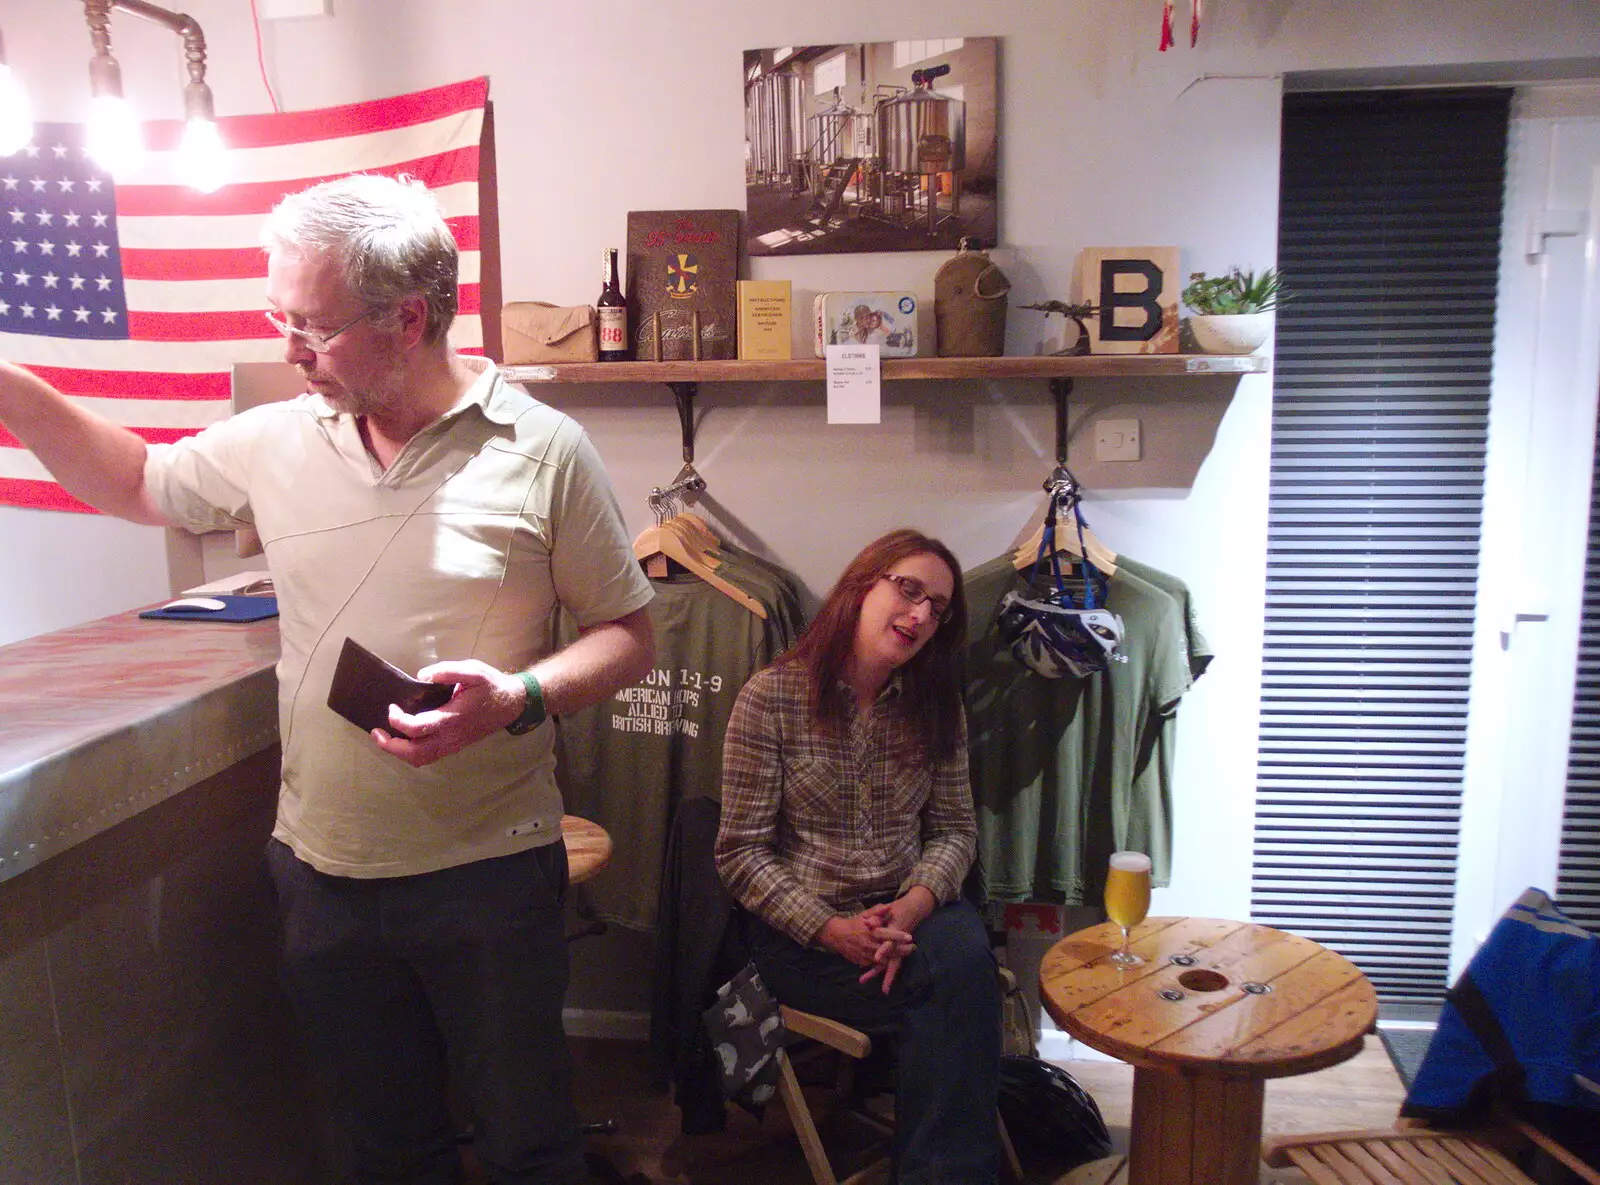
<point>915,592</point>
<point>314,341</point>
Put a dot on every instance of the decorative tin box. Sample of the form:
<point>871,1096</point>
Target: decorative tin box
<point>884,319</point>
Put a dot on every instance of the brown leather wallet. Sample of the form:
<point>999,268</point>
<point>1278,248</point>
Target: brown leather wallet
<point>364,686</point>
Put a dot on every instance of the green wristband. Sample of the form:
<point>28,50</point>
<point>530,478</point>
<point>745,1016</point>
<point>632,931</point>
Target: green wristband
<point>533,714</point>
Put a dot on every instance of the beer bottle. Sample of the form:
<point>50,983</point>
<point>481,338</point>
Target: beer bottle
<point>612,309</point>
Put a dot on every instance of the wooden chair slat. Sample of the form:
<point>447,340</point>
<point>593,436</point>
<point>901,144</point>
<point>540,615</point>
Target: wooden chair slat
<point>1490,1167</point>
<point>1343,1169</point>
<point>1419,1155</point>
<point>1408,1173</point>
<point>1307,1162</point>
<point>1374,1171</point>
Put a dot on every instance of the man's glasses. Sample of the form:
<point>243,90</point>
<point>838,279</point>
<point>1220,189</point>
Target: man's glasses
<point>915,592</point>
<point>310,338</point>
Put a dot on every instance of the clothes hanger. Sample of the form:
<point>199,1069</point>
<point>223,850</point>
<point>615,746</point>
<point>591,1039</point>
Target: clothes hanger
<point>682,538</point>
<point>1065,493</point>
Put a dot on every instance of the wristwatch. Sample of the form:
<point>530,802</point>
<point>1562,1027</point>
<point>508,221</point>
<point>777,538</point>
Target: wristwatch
<point>532,714</point>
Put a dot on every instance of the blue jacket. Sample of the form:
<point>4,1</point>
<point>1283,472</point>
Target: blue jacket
<point>1522,1022</point>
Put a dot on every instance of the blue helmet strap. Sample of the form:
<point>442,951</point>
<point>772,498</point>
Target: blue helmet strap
<point>1064,499</point>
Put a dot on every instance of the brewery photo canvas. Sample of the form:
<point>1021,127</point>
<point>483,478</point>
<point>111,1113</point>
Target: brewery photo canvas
<point>880,146</point>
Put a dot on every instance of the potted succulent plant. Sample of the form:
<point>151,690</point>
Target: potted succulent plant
<point>1232,314</point>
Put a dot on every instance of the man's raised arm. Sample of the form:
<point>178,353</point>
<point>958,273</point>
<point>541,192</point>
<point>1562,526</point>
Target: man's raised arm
<point>92,458</point>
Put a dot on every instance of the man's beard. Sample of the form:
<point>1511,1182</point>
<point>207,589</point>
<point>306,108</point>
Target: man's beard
<point>379,395</point>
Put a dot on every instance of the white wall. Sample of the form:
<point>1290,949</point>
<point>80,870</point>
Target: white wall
<point>635,104</point>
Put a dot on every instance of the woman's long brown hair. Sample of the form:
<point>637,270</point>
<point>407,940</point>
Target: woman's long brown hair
<point>930,683</point>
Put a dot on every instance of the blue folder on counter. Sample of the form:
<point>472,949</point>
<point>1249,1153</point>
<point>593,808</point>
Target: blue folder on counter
<point>233,609</point>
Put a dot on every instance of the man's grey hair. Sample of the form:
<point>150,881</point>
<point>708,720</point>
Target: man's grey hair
<point>388,236</point>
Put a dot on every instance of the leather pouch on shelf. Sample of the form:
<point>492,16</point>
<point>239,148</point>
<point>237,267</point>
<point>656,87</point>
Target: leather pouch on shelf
<point>364,686</point>
<point>535,332</point>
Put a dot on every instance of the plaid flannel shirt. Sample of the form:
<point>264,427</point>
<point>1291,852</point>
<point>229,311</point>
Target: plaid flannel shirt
<point>815,825</point>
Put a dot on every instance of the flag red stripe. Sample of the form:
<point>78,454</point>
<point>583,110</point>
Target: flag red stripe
<point>39,495</point>
<point>148,435</point>
<point>138,384</point>
<point>465,229</point>
<point>353,119</point>
<point>155,201</point>
<point>198,327</point>
<point>239,263</point>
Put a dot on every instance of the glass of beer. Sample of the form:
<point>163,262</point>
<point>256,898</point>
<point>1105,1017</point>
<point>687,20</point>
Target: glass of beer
<point>1127,898</point>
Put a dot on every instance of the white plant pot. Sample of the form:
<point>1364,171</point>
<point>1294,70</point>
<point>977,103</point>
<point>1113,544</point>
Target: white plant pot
<point>1231,333</point>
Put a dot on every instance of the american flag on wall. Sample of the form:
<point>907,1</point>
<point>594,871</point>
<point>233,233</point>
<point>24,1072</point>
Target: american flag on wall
<point>137,299</point>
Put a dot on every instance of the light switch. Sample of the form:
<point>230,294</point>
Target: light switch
<point>1116,440</point>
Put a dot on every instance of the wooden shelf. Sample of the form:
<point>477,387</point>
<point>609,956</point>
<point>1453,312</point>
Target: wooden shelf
<point>811,369</point>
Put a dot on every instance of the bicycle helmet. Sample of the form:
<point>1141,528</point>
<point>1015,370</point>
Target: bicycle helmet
<point>1047,631</point>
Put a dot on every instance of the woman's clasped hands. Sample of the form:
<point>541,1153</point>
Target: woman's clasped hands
<point>879,938</point>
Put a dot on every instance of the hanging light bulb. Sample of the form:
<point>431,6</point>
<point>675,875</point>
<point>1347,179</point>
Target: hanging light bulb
<point>115,141</point>
<point>16,115</point>
<point>202,154</point>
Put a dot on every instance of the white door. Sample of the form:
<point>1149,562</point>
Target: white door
<point>1536,503</point>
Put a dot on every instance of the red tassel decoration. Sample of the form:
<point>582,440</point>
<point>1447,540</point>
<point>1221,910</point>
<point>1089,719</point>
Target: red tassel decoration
<point>1166,26</point>
<point>1194,23</point>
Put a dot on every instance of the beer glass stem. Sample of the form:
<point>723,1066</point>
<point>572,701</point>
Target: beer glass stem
<point>1124,930</point>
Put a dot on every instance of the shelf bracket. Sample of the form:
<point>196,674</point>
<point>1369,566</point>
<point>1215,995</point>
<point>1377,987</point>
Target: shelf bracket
<point>684,393</point>
<point>1061,388</point>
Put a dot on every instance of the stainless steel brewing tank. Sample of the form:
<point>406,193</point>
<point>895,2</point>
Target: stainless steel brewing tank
<point>832,133</point>
<point>922,131</point>
<point>772,122</point>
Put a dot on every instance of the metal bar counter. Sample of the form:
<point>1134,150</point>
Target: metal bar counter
<point>143,1036</point>
<point>101,721</point>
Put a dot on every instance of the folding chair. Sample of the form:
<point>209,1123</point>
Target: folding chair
<point>855,1046</point>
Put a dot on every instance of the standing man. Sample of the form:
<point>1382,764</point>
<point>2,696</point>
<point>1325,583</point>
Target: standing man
<point>410,500</point>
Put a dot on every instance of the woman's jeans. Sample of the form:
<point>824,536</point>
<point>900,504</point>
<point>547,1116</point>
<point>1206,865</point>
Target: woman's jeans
<point>943,1016</point>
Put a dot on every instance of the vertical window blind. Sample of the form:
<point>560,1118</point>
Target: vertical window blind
<point>1578,877</point>
<point>1389,240</point>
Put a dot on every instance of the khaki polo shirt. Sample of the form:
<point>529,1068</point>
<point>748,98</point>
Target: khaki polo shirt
<point>488,518</point>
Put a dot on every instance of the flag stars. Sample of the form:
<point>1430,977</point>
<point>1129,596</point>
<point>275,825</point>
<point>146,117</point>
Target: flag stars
<point>21,278</point>
<point>51,313</point>
<point>32,150</point>
<point>80,315</point>
<point>71,218</point>
<point>46,247</point>
<point>74,249</point>
<point>101,219</point>
<point>10,182</point>
<point>18,215</point>
<point>26,310</point>
<point>60,150</point>
<point>19,246</point>
<point>4,308</point>
<point>94,184</point>
<point>103,283</point>
<point>76,282</point>
<point>101,250</point>
<point>38,184</point>
<point>67,184</point>
<point>50,279</point>
<point>110,315</point>
<point>46,218</point>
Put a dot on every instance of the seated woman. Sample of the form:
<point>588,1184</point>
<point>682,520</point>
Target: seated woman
<point>847,828</point>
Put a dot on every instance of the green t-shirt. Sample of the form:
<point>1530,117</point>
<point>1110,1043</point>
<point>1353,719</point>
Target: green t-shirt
<point>1067,771</point>
<point>628,761</point>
